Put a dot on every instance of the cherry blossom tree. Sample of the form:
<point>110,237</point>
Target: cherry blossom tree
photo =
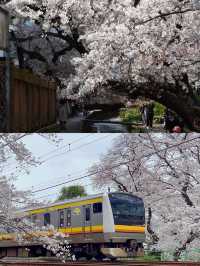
<point>132,48</point>
<point>13,151</point>
<point>164,170</point>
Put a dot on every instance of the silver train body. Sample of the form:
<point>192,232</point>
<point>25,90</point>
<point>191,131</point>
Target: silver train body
<point>109,224</point>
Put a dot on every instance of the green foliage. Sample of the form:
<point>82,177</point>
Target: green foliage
<point>151,258</point>
<point>138,129</point>
<point>72,192</point>
<point>133,115</point>
<point>159,109</point>
<point>130,115</point>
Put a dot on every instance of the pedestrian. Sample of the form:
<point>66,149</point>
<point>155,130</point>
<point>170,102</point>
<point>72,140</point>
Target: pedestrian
<point>172,123</point>
<point>150,114</point>
<point>143,112</point>
<point>169,120</point>
<point>177,129</point>
<point>147,111</point>
<point>62,113</point>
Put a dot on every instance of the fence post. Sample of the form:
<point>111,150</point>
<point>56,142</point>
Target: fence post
<point>4,71</point>
<point>8,87</point>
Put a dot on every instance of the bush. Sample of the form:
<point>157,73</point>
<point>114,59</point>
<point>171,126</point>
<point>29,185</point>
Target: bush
<point>159,109</point>
<point>130,115</point>
<point>133,114</point>
<point>152,256</point>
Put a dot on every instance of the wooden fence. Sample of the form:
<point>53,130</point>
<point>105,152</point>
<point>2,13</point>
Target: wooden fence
<point>32,102</point>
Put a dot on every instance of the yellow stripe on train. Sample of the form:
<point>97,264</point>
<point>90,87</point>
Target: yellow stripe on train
<point>129,228</point>
<point>67,230</point>
<point>66,205</point>
<point>77,230</point>
<point>82,229</point>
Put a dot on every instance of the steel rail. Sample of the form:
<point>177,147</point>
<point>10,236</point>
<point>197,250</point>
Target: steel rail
<point>18,262</point>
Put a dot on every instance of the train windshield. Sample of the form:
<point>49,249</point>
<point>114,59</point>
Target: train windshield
<point>127,209</point>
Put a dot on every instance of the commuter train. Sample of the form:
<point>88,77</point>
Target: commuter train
<point>103,225</point>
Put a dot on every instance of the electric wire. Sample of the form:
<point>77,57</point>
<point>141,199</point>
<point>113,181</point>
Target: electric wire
<point>77,148</point>
<point>57,155</point>
<point>117,165</point>
<point>57,194</point>
<point>65,146</point>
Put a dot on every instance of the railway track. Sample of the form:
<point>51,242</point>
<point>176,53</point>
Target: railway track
<point>18,262</point>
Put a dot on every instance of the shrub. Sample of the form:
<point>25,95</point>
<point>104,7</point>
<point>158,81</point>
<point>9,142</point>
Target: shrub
<point>130,115</point>
<point>133,114</point>
<point>159,109</point>
<point>152,256</point>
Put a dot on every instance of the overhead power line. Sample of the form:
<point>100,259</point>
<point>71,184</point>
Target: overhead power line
<point>77,148</point>
<point>57,194</point>
<point>60,154</point>
<point>117,165</point>
<point>63,183</point>
<point>45,154</point>
<point>66,145</point>
<point>59,179</point>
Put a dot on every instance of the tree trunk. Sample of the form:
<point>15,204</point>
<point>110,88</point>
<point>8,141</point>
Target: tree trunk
<point>179,250</point>
<point>153,235</point>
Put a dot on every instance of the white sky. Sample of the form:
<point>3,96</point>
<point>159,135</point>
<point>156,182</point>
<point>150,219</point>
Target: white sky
<point>85,149</point>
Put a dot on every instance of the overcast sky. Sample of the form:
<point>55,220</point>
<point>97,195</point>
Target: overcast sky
<point>62,164</point>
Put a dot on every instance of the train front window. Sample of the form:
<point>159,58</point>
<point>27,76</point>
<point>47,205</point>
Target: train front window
<point>127,209</point>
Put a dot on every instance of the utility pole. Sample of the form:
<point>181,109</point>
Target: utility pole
<point>4,71</point>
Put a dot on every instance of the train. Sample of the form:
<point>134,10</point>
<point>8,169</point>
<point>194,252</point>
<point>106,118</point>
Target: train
<point>103,225</point>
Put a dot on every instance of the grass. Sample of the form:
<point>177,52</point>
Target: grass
<point>149,256</point>
<point>152,257</point>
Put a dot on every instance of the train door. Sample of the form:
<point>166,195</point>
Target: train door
<point>87,219</point>
<point>68,220</point>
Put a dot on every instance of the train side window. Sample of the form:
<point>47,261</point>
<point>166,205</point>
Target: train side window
<point>97,207</point>
<point>68,217</point>
<point>87,214</point>
<point>47,219</point>
<point>61,216</point>
<point>34,218</point>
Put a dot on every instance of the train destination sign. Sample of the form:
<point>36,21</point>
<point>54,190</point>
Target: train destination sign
<point>4,21</point>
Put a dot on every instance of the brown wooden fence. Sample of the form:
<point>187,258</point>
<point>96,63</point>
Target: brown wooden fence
<point>32,102</point>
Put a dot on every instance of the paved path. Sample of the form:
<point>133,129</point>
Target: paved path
<point>142,129</point>
<point>74,124</point>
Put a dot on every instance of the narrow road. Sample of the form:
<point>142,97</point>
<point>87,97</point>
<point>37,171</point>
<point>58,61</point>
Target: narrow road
<point>74,124</point>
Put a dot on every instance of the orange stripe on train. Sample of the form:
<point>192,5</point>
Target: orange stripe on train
<point>129,228</point>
